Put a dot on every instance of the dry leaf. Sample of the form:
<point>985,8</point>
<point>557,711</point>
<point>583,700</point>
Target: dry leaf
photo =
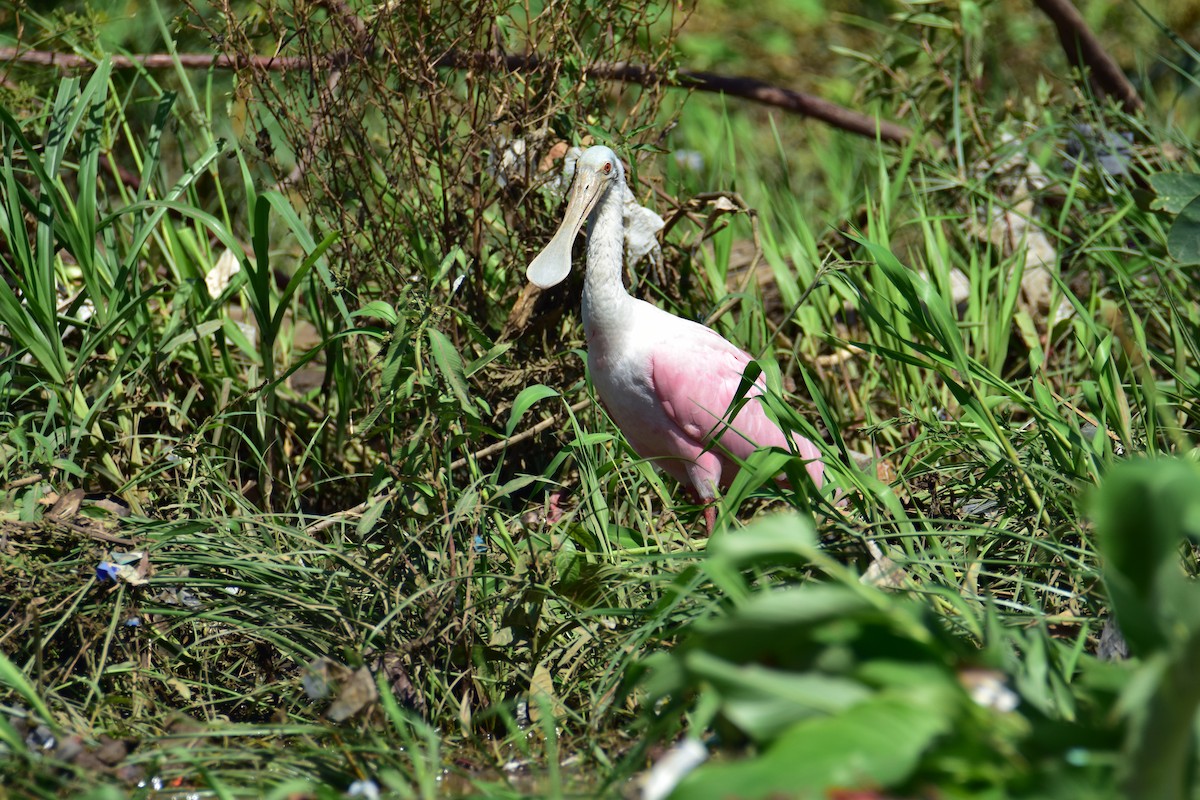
<point>68,504</point>
<point>355,691</point>
<point>541,694</point>
<point>883,571</point>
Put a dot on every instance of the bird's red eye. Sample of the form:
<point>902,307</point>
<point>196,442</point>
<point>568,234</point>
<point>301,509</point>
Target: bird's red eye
<point>607,167</point>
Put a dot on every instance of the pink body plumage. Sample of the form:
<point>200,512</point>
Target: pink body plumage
<point>666,381</point>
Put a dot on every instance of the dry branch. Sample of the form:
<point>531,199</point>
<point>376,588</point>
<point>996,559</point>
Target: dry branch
<point>48,58</point>
<point>736,86</point>
<point>1084,50</point>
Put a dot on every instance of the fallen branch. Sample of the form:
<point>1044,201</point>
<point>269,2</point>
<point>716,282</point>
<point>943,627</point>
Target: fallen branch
<point>1085,51</point>
<point>736,86</point>
<point>496,447</point>
<point>100,536</point>
<point>74,61</point>
<point>806,105</point>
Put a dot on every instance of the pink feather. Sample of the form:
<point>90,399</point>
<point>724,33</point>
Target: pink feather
<point>693,376</point>
<point>666,381</point>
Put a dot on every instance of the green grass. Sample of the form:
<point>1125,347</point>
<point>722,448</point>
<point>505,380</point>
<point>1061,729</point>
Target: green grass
<point>341,581</point>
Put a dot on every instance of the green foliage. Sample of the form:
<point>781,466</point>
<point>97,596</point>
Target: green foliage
<point>1178,194</point>
<point>839,685</point>
<point>1145,511</point>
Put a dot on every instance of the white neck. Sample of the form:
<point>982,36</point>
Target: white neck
<point>606,303</point>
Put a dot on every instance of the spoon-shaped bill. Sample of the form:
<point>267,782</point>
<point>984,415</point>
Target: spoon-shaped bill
<point>553,264</point>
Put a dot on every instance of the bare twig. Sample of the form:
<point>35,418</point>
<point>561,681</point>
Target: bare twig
<point>26,481</point>
<point>100,536</point>
<point>1085,50</point>
<point>737,86</point>
<point>797,103</point>
<point>357,511</point>
<point>49,58</point>
<point>492,449</point>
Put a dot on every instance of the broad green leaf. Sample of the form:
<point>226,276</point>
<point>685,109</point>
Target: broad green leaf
<point>1144,510</point>
<point>804,605</point>
<point>493,352</point>
<point>769,540</point>
<point>201,331</point>
<point>283,207</point>
<point>526,399</point>
<point>875,744</point>
<point>450,364</point>
<point>1174,189</point>
<point>153,149</point>
<point>763,702</point>
<point>379,309</point>
<point>236,334</point>
<point>1183,240</point>
<point>375,508</point>
<point>542,698</point>
<point>285,298</point>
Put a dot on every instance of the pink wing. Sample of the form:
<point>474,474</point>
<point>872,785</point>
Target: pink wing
<point>697,379</point>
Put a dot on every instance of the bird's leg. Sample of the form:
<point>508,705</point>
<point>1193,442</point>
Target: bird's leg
<point>555,510</point>
<point>705,476</point>
<point>710,508</point>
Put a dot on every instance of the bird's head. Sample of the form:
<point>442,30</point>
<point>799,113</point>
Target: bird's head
<point>596,170</point>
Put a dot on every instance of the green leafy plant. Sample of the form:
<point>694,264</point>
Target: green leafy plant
<point>1145,512</point>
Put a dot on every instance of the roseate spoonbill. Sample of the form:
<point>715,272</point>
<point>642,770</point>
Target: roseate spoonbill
<point>666,381</point>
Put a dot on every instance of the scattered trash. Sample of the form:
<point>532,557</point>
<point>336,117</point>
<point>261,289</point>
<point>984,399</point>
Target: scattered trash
<point>883,571</point>
<point>315,682</point>
<point>1015,229</point>
<point>512,163</point>
<point>988,688</point>
<point>352,690</point>
<point>980,507</point>
<point>1109,150</point>
<point>1112,645</point>
<point>178,596</point>
<point>478,545</point>
<point>40,738</point>
<point>364,788</point>
<point>218,278</point>
<point>665,775</point>
<point>690,160</point>
<point>132,567</point>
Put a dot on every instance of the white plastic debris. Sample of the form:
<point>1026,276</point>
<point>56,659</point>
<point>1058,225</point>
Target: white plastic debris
<point>511,162</point>
<point>989,689</point>
<point>690,160</point>
<point>222,273</point>
<point>368,789</point>
<point>641,232</point>
<point>664,776</point>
